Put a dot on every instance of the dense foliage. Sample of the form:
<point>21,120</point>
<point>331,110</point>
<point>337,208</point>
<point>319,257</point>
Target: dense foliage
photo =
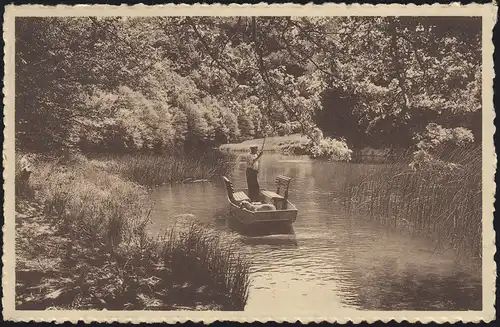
<point>118,83</point>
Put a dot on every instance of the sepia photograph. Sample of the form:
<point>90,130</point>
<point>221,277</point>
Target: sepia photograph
<point>250,163</point>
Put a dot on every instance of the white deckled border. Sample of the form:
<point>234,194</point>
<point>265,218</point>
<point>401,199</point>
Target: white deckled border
<point>486,11</point>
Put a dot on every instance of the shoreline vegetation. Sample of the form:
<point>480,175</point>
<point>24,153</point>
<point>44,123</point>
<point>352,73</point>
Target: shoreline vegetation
<point>442,201</point>
<point>82,243</point>
<point>297,144</point>
<point>289,144</point>
<point>318,147</point>
<point>152,170</point>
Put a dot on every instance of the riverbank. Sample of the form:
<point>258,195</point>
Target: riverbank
<point>297,144</point>
<point>289,144</point>
<point>81,243</point>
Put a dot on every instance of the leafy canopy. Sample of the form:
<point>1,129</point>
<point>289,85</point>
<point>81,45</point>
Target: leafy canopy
<point>155,83</point>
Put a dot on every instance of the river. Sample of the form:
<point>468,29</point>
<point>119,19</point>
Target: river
<point>330,260</point>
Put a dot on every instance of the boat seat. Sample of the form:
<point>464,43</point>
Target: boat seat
<point>278,198</point>
<point>240,196</point>
<point>271,194</point>
<point>282,183</point>
<point>235,197</point>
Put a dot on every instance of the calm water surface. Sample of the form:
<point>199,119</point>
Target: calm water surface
<point>329,260</point>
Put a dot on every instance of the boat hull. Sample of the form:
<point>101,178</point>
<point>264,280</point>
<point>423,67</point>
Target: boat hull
<point>247,217</point>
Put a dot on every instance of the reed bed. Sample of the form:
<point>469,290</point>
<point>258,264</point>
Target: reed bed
<point>445,204</point>
<point>154,170</point>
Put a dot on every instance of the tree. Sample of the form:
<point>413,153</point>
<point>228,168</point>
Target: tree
<point>202,81</point>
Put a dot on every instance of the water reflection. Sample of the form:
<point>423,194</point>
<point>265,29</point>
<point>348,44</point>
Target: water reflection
<point>259,230</point>
<point>288,240</point>
<point>327,260</point>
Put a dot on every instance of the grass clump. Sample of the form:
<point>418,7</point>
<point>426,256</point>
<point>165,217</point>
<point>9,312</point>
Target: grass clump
<point>443,201</point>
<point>83,244</point>
<point>101,207</point>
<point>202,257</point>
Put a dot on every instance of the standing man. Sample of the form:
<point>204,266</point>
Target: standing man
<point>252,171</point>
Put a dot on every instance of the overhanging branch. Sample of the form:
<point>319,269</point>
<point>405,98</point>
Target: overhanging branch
<point>207,48</point>
<point>265,77</point>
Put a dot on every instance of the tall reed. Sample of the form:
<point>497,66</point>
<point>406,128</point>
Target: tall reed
<point>154,170</point>
<point>443,204</point>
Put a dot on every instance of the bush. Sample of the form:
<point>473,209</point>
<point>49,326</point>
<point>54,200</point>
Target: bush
<point>331,149</point>
<point>438,146</point>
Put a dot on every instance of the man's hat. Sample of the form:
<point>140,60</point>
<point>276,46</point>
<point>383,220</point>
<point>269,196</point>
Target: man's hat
<point>254,147</point>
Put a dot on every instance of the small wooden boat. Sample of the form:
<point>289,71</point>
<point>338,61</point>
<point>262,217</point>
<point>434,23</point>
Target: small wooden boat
<point>285,212</point>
